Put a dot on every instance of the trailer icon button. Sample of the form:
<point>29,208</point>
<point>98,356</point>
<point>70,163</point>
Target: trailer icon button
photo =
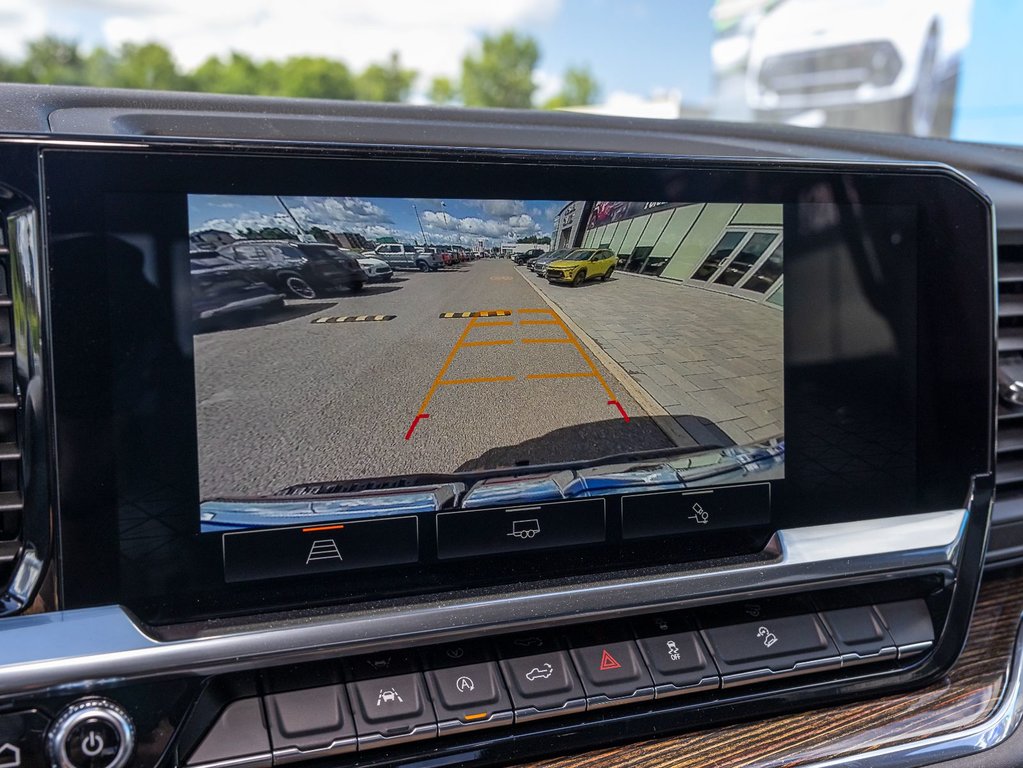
<point>481,530</point>
<point>525,529</point>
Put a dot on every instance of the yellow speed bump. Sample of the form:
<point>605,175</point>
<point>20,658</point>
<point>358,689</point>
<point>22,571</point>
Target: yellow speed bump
<point>478,313</point>
<point>354,319</point>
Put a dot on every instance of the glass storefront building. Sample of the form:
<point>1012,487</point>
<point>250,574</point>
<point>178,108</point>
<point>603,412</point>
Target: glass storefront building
<point>724,247</point>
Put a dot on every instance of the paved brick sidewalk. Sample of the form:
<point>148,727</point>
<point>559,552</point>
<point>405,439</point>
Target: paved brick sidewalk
<point>695,352</point>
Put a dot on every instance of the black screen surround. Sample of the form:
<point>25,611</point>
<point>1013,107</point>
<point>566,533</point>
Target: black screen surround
<point>886,241</point>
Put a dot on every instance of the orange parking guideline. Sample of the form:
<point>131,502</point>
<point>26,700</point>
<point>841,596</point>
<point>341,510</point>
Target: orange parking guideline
<point>586,357</point>
<point>478,380</point>
<point>571,338</point>
<point>447,364</point>
<point>583,375</point>
<point>555,319</point>
<point>323,528</point>
<point>494,343</point>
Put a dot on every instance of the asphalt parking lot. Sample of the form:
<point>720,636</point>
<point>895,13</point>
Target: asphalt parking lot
<point>296,396</point>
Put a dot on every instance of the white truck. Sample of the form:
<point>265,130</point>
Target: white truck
<point>405,256</point>
<point>869,64</point>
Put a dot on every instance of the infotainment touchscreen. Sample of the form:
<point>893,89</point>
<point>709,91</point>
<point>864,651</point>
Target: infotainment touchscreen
<point>482,352</point>
<point>350,377</point>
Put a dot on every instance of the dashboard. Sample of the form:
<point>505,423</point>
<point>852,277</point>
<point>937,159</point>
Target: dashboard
<point>365,435</point>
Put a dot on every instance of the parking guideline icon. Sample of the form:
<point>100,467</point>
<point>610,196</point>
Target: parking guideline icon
<point>323,549</point>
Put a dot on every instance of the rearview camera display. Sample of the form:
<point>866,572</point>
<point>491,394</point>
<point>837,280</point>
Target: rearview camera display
<point>360,358</point>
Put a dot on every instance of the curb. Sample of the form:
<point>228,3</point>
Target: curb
<point>664,420</point>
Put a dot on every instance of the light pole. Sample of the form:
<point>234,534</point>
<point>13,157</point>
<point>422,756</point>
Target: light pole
<point>416,210</point>
<point>302,236</point>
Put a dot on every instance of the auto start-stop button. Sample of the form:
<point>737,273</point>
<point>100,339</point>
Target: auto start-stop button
<point>95,733</point>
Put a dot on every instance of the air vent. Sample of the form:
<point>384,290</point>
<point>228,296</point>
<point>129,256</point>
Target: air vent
<point>10,452</point>
<point>1006,543</point>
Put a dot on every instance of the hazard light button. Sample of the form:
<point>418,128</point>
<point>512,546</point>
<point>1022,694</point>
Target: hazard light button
<point>612,673</point>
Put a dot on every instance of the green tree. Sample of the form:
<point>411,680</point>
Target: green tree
<point>52,61</point>
<point>578,88</point>
<point>385,82</point>
<point>8,71</point>
<point>238,74</point>
<point>316,78</point>
<point>501,73</point>
<point>145,66</point>
<point>442,90</point>
<point>101,68</point>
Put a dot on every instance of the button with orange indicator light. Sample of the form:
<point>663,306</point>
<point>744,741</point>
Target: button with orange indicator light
<point>469,696</point>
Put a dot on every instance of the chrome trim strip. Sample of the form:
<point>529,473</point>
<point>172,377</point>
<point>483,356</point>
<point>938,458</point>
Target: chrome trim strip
<point>26,272</point>
<point>69,648</point>
<point>939,749</point>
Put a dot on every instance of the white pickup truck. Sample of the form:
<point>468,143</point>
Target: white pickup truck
<point>404,256</point>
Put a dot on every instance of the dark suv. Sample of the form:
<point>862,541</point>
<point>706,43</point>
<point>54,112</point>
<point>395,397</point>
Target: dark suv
<point>305,270</point>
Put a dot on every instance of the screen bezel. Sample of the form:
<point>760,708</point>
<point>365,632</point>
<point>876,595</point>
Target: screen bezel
<point>952,363</point>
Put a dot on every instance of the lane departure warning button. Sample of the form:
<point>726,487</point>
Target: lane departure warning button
<point>390,709</point>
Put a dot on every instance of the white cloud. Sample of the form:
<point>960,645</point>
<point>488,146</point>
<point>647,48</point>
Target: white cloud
<point>548,85</point>
<point>522,221</point>
<point>502,207</point>
<point>249,220</point>
<point>21,21</point>
<point>431,37</point>
<point>334,211</point>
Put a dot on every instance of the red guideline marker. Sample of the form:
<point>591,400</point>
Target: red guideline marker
<point>621,410</point>
<point>416,421</point>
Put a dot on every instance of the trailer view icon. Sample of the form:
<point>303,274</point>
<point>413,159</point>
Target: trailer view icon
<point>525,529</point>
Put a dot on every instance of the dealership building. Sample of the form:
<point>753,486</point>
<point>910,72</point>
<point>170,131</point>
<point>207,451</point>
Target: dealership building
<point>731,248</point>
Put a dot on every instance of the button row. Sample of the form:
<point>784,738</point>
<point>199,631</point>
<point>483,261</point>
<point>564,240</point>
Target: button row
<point>388,700</point>
<point>392,541</point>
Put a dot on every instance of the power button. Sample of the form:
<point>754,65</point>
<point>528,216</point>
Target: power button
<point>93,733</point>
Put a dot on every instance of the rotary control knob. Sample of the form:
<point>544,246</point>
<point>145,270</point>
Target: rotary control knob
<point>92,733</point>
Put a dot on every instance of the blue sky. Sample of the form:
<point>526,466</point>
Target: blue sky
<point>636,46</point>
<point>446,221</point>
<point>990,99</point>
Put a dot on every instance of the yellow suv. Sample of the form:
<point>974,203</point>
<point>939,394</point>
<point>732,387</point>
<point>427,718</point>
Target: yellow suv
<point>582,264</point>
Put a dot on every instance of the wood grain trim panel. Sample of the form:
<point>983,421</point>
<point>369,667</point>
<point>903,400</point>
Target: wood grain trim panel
<point>965,697</point>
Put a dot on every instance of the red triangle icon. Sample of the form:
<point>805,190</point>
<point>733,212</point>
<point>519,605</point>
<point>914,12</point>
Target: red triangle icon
<point>607,661</point>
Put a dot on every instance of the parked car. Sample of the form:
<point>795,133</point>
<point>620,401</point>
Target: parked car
<point>221,287</point>
<point>405,256</point>
<point>377,270</point>
<point>304,270</point>
<point>539,264</point>
<point>526,256</point>
<point>443,258</point>
<point>581,265</point>
<point>448,255</point>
